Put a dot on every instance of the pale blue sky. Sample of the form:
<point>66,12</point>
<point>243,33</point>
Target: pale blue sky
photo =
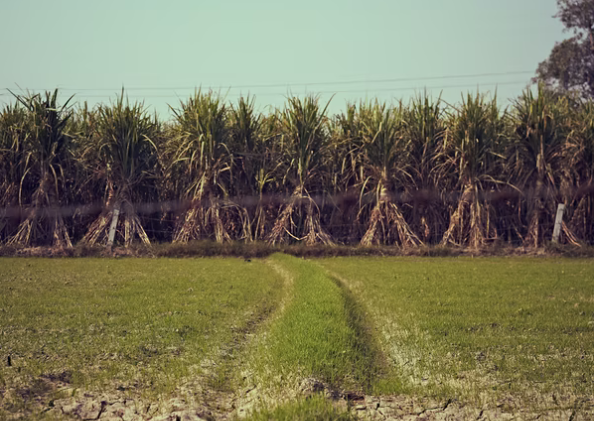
<point>93,48</point>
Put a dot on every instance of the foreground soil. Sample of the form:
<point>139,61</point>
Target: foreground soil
<point>194,403</point>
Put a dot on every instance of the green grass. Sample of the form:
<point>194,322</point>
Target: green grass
<point>511,330</point>
<point>321,333</point>
<point>316,408</point>
<point>476,327</point>
<point>139,324</point>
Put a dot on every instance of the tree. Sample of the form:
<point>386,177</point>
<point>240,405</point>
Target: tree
<point>570,67</point>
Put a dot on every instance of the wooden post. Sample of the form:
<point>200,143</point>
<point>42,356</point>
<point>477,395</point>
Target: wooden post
<point>558,222</point>
<point>114,224</point>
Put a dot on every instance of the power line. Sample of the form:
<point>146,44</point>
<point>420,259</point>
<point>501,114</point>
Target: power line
<point>282,85</point>
<point>517,82</point>
<point>268,94</point>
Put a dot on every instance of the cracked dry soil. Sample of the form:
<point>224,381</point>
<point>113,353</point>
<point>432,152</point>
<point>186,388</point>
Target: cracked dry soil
<point>194,403</point>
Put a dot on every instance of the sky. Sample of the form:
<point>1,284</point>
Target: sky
<point>161,51</point>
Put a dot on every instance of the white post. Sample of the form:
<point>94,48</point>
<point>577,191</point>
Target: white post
<point>114,224</point>
<point>558,222</point>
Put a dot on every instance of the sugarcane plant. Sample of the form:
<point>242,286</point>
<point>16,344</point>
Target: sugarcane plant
<point>42,159</point>
<point>381,131</point>
<point>123,151</point>
<point>425,172</point>
<point>425,167</point>
<point>579,171</point>
<point>202,167</point>
<point>477,129</point>
<point>345,174</point>
<point>14,135</point>
<point>304,138</point>
<point>535,161</point>
<point>89,171</point>
<point>255,139</point>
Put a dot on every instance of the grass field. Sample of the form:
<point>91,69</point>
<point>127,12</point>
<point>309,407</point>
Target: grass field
<point>136,325</point>
<point>518,331</point>
<point>288,338</point>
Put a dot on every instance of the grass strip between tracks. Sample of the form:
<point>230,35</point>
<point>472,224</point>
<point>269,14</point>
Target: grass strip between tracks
<point>321,334</point>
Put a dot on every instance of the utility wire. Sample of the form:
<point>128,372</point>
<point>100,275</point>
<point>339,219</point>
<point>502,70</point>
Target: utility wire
<point>282,85</point>
<point>265,94</point>
<point>425,87</point>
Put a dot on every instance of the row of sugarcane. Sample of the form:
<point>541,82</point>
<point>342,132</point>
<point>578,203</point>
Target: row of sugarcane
<point>405,174</point>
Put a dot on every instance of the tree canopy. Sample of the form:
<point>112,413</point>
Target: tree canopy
<point>570,66</point>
